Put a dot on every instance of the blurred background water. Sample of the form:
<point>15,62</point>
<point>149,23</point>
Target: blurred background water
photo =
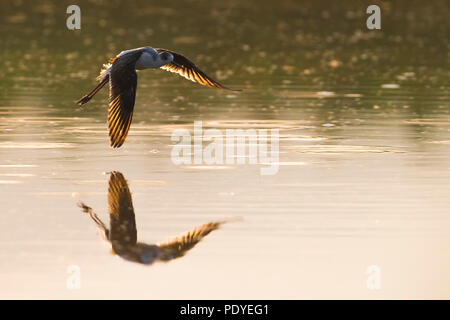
<point>364,149</point>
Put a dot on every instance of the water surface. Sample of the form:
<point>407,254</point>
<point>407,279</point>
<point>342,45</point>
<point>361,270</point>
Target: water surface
<point>364,122</point>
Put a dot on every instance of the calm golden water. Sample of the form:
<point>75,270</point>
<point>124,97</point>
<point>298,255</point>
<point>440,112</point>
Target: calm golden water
<point>364,122</point>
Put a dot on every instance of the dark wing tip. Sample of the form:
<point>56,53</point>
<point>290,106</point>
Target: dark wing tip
<point>117,140</point>
<point>117,178</point>
<point>115,143</point>
<point>230,89</point>
<point>118,187</point>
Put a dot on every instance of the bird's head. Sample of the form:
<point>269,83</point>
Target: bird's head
<point>165,58</point>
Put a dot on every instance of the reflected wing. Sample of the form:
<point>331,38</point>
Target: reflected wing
<point>123,82</point>
<point>121,212</point>
<point>186,68</point>
<point>178,247</point>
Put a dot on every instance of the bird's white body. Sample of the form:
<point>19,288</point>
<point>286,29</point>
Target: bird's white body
<point>149,58</point>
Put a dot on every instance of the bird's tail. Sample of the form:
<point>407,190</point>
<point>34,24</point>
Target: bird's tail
<point>89,96</point>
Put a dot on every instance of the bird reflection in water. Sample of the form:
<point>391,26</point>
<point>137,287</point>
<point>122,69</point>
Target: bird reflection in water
<point>123,234</point>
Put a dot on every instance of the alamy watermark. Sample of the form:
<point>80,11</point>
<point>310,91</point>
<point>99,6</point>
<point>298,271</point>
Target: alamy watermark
<point>74,20</point>
<point>374,20</point>
<point>373,281</point>
<point>74,279</point>
<point>233,146</point>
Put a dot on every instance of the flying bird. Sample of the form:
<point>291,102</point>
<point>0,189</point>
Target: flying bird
<point>121,75</point>
<point>122,234</point>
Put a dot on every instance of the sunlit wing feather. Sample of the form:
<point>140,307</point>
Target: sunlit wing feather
<point>186,68</point>
<point>121,212</point>
<point>178,246</point>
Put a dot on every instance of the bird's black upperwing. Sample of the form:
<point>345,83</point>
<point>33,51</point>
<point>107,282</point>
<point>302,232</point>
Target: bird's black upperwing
<point>186,68</point>
<point>122,94</point>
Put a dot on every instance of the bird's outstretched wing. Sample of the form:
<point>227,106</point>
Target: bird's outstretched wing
<point>186,68</point>
<point>121,213</point>
<point>178,246</point>
<point>122,94</point>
